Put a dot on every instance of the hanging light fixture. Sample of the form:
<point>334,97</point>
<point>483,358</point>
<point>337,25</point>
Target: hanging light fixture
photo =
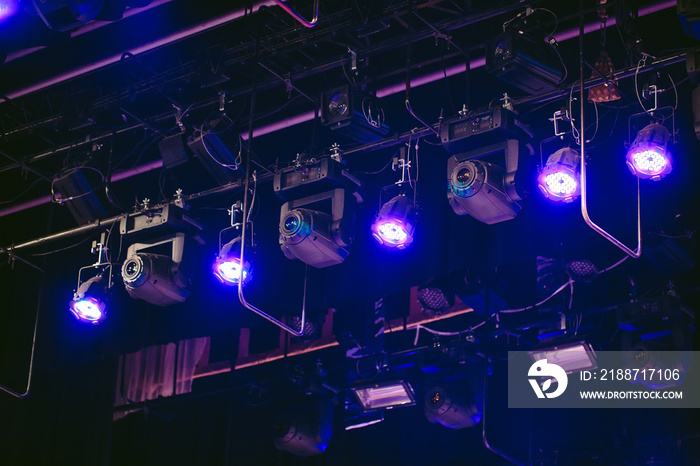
<point>648,156</point>
<point>396,222</point>
<point>559,180</point>
<point>228,268</point>
<point>89,303</point>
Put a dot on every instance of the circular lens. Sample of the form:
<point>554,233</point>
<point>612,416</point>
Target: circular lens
<point>131,267</point>
<point>291,223</point>
<point>465,175</point>
<point>338,105</point>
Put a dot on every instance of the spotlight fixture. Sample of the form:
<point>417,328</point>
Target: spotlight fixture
<point>396,222</point>
<point>91,296</point>
<point>648,155</point>
<point>384,395</point>
<point>305,430</point>
<point>436,297</point>
<point>559,180</point>
<point>582,270</point>
<point>449,406</point>
<point>572,357</point>
<point>355,113</point>
<point>227,266</point>
<point>484,190</point>
<point>318,238</point>
<point>89,303</point>
<point>159,266</point>
<point>157,278</point>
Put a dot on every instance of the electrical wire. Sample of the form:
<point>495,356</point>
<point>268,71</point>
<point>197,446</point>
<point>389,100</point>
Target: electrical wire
<point>22,193</point>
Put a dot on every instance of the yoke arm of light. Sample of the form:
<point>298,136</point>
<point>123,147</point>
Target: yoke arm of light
<point>584,189</point>
<point>304,22</point>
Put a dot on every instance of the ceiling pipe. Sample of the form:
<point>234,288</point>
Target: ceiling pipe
<point>383,92</point>
<point>451,71</point>
<point>196,29</point>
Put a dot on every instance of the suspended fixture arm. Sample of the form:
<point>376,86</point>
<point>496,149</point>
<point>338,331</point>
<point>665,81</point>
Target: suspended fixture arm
<point>584,191</point>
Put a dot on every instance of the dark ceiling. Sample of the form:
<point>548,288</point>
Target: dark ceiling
<point>103,97</point>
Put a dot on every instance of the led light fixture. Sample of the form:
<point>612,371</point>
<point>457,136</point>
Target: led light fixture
<point>559,180</point>
<point>305,429</point>
<point>8,8</point>
<point>384,395</point>
<point>395,223</point>
<point>649,156</point>
<point>572,357</point>
<point>159,279</point>
<point>228,268</point>
<point>482,189</point>
<point>317,237</point>
<point>449,406</point>
<point>89,302</point>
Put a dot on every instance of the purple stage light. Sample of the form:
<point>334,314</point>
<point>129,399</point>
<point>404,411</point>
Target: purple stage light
<point>228,268</point>
<point>89,309</point>
<point>230,272</point>
<point>395,223</point>
<point>559,180</point>
<point>648,155</point>
<point>8,8</point>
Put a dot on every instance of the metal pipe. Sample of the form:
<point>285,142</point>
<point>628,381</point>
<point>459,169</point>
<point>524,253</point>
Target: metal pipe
<point>391,90</point>
<point>584,189</point>
<point>304,22</point>
<point>246,207</point>
<point>196,29</point>
<point>27,387</point>
<point>483,421</point>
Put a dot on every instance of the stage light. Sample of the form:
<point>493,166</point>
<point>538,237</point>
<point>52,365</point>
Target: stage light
<point>484,190</point>
<point>355,113</point>
<point>8,8</point>
<point>157,278</point>
<point>395,223</point>
<point>318,238</point>
<point>305,430</point>
<point>436,296</point>
<point>228,268</point>
<point>89,302</point>
<point>572,357</point>
<point>559,180</point>
<point>384,395</point>
<point>582,270</point>
<point>648,156</point>
<point>449,406</point>
<point>65,15</point>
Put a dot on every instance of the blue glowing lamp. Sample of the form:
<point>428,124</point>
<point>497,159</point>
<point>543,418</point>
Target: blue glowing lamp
<point>648,156</point>
<point>559,180</point>
<point>89,302</point>
<point>395,223</point>
<point>228,268</point>
<point>8,8</point>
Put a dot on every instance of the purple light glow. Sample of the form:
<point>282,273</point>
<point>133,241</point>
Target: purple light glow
<point>395,223</point>
<point>561,184</point>
<point>8,8</point>
<point>649,164</point>
<point>88,309</point>
<point>559,180</point>
<point>392,233</point>
<point>230,272</point>
<point>648,155</point>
